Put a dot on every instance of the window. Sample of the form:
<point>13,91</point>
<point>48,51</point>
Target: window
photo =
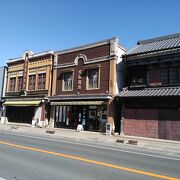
<point>20,81</point>
<point>93,78</point>
<point>67,81</point>
<point>41,81</point>
<point>137,77</point>
<point>32,82</point>
<point>173,75</point>
<point>164,76</point>
<point>154,77</point>
<point>12,84</point>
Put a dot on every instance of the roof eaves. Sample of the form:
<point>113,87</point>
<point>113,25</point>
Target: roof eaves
<point>161,38</point>
<point>155,52</point>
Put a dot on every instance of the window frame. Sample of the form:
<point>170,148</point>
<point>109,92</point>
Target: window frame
<point>19,85</point>
<point>31,82</point>
<point>72,82</point>
<point>87,78</point>
<point>12,88</point>
<point>174,76</point>
<point>42,85</point>
<point>137,77</point>
<point>170,76</point>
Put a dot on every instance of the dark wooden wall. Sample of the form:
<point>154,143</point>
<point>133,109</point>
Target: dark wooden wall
<point>104,79</point>
<point>90,53</point>
<point>153,123</point>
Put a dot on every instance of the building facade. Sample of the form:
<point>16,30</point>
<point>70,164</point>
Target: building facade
<point>84,85</point>
<point>151,97</point>
<point>28,86</point>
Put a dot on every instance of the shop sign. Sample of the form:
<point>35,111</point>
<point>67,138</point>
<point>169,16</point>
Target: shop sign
<point>79,79</point>
<point>80,127</point>
<point>25,71</point>
<point>108,129</point>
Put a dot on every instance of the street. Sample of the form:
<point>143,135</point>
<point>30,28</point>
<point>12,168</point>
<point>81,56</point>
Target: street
<point>24,157</point>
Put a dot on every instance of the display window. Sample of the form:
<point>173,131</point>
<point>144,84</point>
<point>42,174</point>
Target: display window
<point>93,118</point>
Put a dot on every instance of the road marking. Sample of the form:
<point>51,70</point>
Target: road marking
<point>89,161</point>
<point>94,146</point>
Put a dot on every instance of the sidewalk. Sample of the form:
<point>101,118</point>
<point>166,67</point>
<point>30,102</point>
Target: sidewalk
<point>167,146</point>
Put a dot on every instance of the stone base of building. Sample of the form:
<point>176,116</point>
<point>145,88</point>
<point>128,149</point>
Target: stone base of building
<point>35,123</point>
<point>152,123</point>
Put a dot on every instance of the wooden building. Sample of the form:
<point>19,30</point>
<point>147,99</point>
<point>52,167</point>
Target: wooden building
<point>28,86</point>
<point>84,85</point>
<point>151,97</point>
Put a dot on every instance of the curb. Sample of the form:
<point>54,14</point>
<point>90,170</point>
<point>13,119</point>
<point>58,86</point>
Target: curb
<point>123,139</point>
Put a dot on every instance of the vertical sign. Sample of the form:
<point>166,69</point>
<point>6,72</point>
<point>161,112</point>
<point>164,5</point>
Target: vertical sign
<point>108,129</point>
<point>79,79</point>
<point>25,72</point>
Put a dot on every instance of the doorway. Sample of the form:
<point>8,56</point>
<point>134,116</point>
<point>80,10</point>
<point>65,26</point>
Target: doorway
<point>20,114</point>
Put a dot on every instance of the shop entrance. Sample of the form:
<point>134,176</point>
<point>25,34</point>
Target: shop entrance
<point>71,116</point>
<point>20,114</point>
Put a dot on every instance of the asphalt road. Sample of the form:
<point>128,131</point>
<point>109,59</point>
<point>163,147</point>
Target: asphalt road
<point>24,157</point>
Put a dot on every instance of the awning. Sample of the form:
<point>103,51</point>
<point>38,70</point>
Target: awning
<point>80,97</point>
<point>77,103</point>
<point>22,103</point>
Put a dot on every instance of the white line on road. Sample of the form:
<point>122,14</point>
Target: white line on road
<point>94,146</point>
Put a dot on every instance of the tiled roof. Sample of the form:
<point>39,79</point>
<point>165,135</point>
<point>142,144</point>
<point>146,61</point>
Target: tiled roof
<point>156,44</point>
<point>151,92</point>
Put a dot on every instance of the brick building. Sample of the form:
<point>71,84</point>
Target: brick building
<point>84,85</point>
<point>28,86</point>
<point>151,97</point>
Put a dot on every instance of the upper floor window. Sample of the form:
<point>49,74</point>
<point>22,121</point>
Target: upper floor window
<point>154,77</point>
<point>67,81</point>
<point>41,81</point>
<point>12,84</point>
<point>20,81</point>
<point>32,82</point>
<point>163,76</point>
<point>93,78</point>
<point>174,75</point>
<point>137,77</point>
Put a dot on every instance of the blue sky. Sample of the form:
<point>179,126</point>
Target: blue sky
<point>40,25</point>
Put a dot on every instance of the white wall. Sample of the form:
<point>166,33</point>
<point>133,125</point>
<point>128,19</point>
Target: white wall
<point>119,70</point>
<point>37,116</point>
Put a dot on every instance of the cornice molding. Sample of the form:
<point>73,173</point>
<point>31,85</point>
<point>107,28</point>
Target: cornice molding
<point>89,61</point>
<point>30,55</point>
